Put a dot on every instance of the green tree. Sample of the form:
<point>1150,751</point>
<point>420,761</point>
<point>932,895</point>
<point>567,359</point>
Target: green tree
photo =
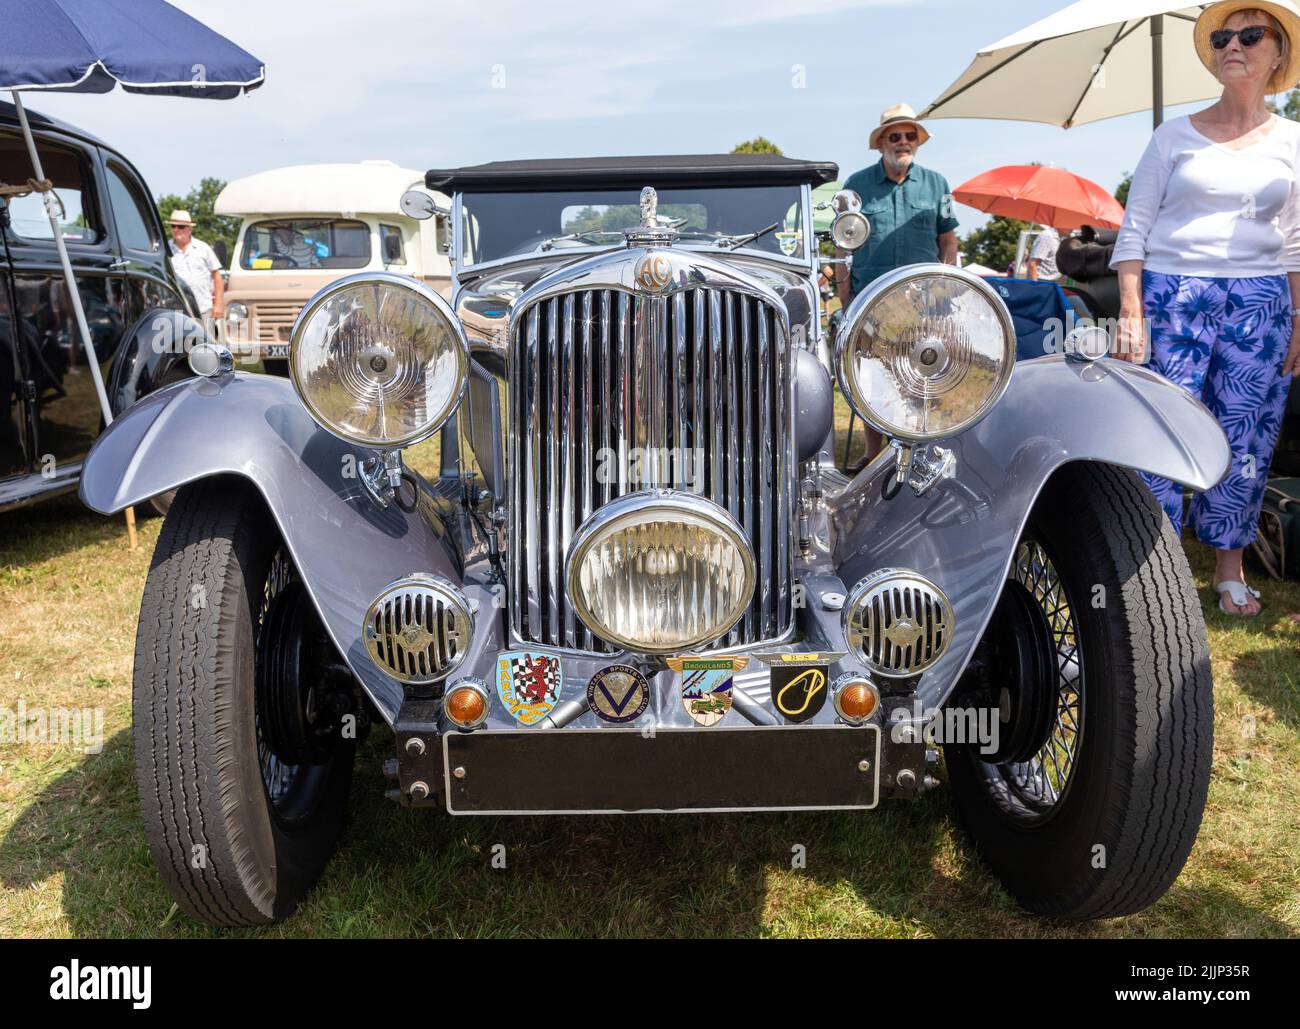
<point>1121,191</point>
<point>208,226</point>
<point>757,145</point>
<point>994,243</point>
<point>1290,106</point>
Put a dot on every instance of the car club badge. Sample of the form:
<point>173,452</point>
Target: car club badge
<point>799,682</point>
<point>706,685</point>
<point>618,694</point>
<point>528,684</point>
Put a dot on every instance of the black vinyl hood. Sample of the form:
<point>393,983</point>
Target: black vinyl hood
<point>682,171</point>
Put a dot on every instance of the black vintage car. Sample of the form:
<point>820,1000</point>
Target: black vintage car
<point>49,411</point>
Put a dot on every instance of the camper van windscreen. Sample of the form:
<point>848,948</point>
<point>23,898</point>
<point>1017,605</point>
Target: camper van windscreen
<point>306,243</point>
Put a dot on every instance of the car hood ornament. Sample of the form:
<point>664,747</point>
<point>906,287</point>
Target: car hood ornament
<point>650,232</point>
<point>649,208</point>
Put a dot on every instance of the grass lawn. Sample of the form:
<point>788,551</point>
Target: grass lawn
<point>73,859</point>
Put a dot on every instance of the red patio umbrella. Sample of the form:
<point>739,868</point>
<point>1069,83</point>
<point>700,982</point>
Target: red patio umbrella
<point>1037,193</point>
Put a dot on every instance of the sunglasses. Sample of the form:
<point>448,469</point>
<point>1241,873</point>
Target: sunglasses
<point>177,227</point>
<point>1249,36</point>
<point>910,135</point>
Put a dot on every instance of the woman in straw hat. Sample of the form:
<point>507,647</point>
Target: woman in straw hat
<point>1209,253</point>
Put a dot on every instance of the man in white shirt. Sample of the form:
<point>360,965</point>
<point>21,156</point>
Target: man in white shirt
<point>1042,258</point>
<point>198,266</point>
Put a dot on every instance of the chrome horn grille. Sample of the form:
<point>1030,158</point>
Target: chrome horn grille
<point>418,629</point>
<point>898,622</point>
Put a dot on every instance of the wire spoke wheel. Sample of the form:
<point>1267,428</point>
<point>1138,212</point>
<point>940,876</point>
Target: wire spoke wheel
<point>1031,789</point>
<point>278,777</point>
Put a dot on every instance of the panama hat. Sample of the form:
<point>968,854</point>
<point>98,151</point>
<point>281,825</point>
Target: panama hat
<point>180,216</point>
<point>1287,15</point>
<point>899,114</point>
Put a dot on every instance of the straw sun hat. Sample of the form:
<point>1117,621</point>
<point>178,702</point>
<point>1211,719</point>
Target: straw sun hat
<point>900,114</point>
<point>1287,15</point>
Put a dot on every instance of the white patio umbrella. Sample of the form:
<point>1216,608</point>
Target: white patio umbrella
<point>1092,60</point>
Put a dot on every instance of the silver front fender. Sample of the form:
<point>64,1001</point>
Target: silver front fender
<point>344,545</point>
<point>963,533</point>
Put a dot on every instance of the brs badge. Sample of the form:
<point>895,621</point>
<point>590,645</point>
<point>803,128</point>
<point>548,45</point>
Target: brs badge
<point>618,693</point>
<point>706,685</point>
<point>528,684</point>
<point>799,682</point>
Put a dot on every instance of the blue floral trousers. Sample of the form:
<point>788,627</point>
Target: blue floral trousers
<point>1223,340</point>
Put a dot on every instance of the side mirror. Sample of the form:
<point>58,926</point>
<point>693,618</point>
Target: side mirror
<point>420,206</point>
<point>846,200</point>
<point>223,255</point>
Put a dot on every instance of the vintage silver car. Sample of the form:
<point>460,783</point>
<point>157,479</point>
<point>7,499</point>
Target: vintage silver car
<point>640,583</point>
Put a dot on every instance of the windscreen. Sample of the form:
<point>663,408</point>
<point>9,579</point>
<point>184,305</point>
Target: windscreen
<point>306,243</point>
<point>501,225</point>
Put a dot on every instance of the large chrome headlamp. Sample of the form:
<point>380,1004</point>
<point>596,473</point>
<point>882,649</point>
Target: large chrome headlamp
<point>925,352</point>
<point>660,572</point>
<point>379,359</point>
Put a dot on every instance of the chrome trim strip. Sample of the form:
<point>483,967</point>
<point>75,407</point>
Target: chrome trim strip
<point>568,254</point>
<point>567,444</point>
<point>748,431</point>
<point>765,472</point>
<point>716,391</point>
<point>677,375</point>
<point>532,557</point>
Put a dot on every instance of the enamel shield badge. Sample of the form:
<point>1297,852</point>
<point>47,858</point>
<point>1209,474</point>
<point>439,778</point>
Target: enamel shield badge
<point>799,683</point>
<point>618,694</point>
<point>528,684</point>
<point>706,686</point>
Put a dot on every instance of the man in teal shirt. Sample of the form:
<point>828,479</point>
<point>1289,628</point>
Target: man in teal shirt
<point>910,208</point>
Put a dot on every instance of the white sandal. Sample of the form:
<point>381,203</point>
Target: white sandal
<point>1236,592</point>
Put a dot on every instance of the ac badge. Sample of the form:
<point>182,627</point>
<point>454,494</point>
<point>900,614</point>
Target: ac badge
<point>528,684</point>
<point>799,682</point>
<point>654,271</point>
<point>618,694</point>
<point>706,685</point>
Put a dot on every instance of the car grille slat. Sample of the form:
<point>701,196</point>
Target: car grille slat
<point>597,373</point>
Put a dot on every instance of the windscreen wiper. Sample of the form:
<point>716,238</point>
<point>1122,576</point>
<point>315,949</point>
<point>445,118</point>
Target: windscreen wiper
<point>580,237</point>
<point>736,242</point>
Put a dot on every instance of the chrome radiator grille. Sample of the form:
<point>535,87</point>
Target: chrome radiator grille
<point>602,371</point>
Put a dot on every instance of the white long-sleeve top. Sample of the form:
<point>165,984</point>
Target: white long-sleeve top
<point>1198,208</point>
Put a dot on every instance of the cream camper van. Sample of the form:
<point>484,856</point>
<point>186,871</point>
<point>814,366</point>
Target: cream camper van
<point>307,225</point>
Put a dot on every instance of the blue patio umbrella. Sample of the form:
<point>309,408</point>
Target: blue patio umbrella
<point>89,46</point>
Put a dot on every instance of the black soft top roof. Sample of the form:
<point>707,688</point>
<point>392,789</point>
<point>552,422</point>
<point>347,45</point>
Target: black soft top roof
<point>682,171</point>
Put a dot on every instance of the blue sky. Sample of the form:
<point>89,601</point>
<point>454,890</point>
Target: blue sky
<point>437,84</point>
